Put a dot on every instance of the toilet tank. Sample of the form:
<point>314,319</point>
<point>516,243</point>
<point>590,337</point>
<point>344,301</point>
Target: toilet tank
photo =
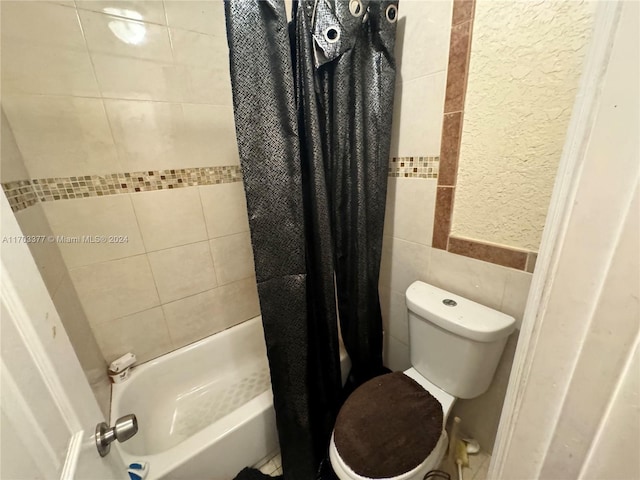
<point>455,343</point>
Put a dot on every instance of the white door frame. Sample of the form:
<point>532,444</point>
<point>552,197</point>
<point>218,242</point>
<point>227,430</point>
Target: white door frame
<point>579,163</point>
<point>46,401</point>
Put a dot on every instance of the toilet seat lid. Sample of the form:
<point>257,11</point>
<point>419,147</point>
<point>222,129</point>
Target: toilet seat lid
<point>388,426</point>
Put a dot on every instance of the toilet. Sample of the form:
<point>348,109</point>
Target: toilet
<point>455,345</point>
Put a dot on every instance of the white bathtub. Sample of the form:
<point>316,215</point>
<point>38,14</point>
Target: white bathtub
<point>204,411</point>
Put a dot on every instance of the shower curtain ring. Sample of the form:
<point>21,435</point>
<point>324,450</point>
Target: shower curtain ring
<point>392,13</point>
<point>355,7</point>
<point>331,34</point>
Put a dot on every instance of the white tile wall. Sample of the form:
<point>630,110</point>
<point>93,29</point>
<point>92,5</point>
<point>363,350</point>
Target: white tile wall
<point>516,291</point>
<point>122,286</point>
<point>105,216</point>
<point>410,207</point>
<point>143,80</point>
<point>423,38</point>
<point>474,279</point>
<point>417,115</point>
<point>11,164</point>
<point>232,257</point>
<point>225,209</point>
<point>183,271</point>
<point>195,317</point>
<point>113,289</point>
<point>203,121</point>
<point>422,52</point>
<point>144,333</point>
<point>148,135</point>
<point>403,263</point>
<point>44,23</point>
<point>169,218</point>
<point>54,272</point>
<point>61,136</point>
<point>396,354</point>
<point>160,98</point>
<point>199,16</point>
<point>75,324</point>
<point>47,255</point>
<point>157,68</point>
<point>204,85</point>
<point>23,66</point>
<point>124,37</point>
<point>147,11</point>
<point>200,50</point>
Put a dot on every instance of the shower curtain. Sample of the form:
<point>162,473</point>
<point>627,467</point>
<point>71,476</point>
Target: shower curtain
<point>313,102</point>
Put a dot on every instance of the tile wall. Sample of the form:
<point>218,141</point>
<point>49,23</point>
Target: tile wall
<point>55,274</point>
<point>428,79</point>
<point>129,140</point>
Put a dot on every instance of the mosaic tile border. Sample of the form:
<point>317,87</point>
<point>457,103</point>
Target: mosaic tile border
<point>24,193</point>
<point>414,167</point>
<point>20,194</point>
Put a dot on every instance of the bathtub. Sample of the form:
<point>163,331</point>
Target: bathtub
<point>204,411</point>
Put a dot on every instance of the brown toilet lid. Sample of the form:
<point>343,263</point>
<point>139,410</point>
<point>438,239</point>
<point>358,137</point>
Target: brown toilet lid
<point>388,426</point>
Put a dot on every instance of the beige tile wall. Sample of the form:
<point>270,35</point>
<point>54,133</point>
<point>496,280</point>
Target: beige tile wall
<point>134,86</point>
<point>422,55</point>
<point>172,275</point>
<point>129,86</point>
<point>54,272</point>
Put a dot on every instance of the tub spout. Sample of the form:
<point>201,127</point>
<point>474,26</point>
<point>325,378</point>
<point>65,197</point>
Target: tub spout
<point>124,428</point>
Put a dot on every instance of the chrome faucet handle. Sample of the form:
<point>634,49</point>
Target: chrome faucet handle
<point>124,428</point>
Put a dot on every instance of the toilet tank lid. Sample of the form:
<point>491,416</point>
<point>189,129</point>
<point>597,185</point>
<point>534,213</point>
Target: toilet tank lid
<point>457,314</point>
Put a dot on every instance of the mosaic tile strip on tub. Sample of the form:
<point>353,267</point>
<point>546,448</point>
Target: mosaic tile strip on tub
<point>24,193</point>
<point>414,167</point>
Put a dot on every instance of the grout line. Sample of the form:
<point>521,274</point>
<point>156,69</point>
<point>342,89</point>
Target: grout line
<point>77,7</point>
<point>430,74</point>
<point>161,305</point>
<point>155,283</point>
<point>213,261</point>
<point>98,86</point>
<point>91,97</point>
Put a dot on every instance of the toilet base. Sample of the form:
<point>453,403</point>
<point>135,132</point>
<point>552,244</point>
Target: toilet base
<point>432,462</point>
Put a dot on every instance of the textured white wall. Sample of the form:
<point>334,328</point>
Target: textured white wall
<point>526,61</point>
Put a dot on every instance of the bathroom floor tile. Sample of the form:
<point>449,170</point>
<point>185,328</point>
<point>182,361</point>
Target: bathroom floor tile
<point>478,467</point>
<point>271,466</point>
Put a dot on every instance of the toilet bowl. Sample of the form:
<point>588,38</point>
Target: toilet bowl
<point>455,346</point>
<point>344,472</point>
<point>431,462</point>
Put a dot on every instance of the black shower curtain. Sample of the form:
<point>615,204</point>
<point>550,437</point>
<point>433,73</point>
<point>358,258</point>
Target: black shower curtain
<point>313,120</point>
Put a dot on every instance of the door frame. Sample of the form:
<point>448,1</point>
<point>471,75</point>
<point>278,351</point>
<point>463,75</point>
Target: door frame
<point>555,248</point>
<point>37,345</point>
